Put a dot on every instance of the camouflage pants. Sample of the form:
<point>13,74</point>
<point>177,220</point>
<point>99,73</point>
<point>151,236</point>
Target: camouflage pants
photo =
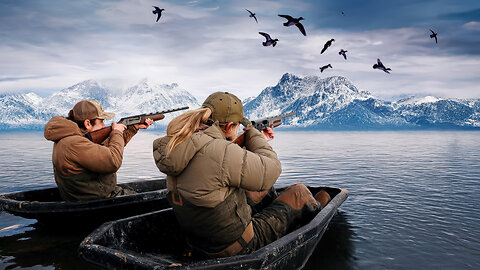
<point>276,220</point>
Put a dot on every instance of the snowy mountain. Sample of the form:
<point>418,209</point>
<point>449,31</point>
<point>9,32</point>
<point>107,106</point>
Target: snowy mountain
<point>18,110</point>
<point>310,97</point>
<point>30,111</point>
<point>330,103</point>
<point>335,103</point>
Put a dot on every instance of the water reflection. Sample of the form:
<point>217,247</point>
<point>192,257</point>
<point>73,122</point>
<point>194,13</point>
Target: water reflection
<point>39,246</point>
<point>336,249</point>
<point>413,200</point>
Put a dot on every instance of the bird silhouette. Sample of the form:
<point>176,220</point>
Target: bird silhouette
<point>252,15</point>
<point>158,11</point>
<point>434,35</point>
<point>343,52</point>
<point>294,21</point>
<point>379,65</point>
<point>269,40</point>
<point>325,67</point>
<point>328,44</point>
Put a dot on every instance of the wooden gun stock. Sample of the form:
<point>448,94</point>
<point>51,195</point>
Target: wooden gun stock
<point>98,136</point>
<point>240,140</point>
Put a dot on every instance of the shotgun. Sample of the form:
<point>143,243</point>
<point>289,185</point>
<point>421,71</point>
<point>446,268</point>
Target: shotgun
<point>263,123</point>
<point>98,136</point>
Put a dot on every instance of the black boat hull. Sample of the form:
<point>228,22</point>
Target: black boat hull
<point>154,241</point>
<point>47,207</point>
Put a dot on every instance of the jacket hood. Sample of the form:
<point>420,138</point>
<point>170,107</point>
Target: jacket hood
<point>59,127</point>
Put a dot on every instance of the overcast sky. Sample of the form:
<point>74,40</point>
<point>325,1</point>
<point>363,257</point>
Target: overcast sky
<point>213,45</point>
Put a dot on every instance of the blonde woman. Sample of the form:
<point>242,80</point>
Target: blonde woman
<point>210,179</point>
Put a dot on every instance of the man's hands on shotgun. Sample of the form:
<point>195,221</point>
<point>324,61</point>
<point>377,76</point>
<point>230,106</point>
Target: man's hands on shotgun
<point>145,125</point>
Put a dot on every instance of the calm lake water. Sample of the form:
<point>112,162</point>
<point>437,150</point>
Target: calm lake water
<point>414,199</point>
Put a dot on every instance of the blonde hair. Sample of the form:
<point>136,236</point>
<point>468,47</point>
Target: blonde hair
<point>183,126</point>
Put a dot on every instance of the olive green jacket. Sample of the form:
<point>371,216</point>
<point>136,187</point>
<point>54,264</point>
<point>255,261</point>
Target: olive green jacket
<point>211,174</point>
<point>84,170</point>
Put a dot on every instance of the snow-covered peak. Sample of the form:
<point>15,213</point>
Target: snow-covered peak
<point>413,100</point>
<point>308,96</point>
<point>33,98</point>
<point>149,97</point>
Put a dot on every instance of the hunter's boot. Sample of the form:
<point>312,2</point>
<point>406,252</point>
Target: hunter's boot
<point>302,202</point>
<point>322,197</point>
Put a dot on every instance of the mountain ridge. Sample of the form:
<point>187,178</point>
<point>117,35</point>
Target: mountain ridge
<point>30,111</point>
<point>320,103</point>
<point>335,103</point>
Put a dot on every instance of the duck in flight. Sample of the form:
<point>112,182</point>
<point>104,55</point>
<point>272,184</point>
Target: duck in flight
<point>328,44</point>
<point>325,67</point>
<point>158,11</point>
<point>379,65</point>
<point>343,52</point>
<point>252,15</point>
<point>294,21</point>
<point>269,40</point>
<point>434,35</point>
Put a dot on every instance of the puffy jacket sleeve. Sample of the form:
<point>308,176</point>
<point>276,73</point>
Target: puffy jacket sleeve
<point>98,158</point>
<point>127,135</point>
<point>258,168</point>
<point>174,163</point>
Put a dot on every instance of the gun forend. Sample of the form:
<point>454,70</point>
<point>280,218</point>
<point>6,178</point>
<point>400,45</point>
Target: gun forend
<point>274,121</point>
<point>138,119</point>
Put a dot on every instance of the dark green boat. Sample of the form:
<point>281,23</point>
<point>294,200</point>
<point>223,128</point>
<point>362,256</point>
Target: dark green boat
<point>48,208</point>
<point>154,241</point>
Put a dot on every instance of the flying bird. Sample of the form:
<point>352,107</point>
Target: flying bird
<point>342,52</point>
<point>325,67</point>
<point>269,40</point>
<point>158,11</point>
<point>434,35</point>
<point>379,65</point>
<point>328,44</point>
<point>252,15</point>
<point>343,13</point>
<point>294,21</point>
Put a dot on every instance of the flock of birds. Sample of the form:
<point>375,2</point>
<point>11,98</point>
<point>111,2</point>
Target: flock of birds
<point>296,21</point>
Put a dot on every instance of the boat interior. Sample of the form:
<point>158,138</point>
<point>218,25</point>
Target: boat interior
<point>157,236</point>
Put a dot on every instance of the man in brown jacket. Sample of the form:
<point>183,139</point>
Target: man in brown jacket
<point>83,169</point>
<point>208,176</point>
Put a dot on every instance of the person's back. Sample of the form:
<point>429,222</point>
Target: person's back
<point>208,177</point>
<point>214,174</point>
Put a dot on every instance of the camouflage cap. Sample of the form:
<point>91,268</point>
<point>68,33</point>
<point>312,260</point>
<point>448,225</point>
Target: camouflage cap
<point>225,107</point>
<point>87,110</point>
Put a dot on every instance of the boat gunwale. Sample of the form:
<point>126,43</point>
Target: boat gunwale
<point>264,256</point>
<point>16,206</point>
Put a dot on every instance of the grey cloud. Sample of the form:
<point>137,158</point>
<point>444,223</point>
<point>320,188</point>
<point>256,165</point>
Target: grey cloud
<point>471,15</point>
<point>20,78</point>
<point>204,48</point>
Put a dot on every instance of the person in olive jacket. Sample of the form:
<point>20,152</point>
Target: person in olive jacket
<point>210,179</point>
<point>85,170</point>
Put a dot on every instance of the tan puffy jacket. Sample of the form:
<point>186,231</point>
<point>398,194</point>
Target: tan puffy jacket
<point>84,170</point>
<point>207,168</point>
